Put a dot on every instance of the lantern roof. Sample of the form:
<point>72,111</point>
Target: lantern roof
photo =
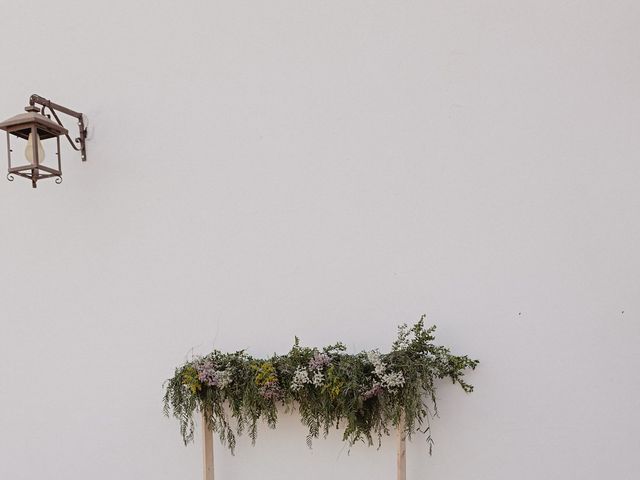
<point>47,128</point>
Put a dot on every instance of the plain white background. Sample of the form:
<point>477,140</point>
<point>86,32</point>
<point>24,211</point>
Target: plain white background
<point>327,169</point>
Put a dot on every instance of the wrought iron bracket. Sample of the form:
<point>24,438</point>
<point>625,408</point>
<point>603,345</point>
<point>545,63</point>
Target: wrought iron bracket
<point>54,108</point>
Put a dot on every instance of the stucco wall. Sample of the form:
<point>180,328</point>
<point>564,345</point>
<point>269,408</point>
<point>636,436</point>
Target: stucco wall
<point>259,170</point>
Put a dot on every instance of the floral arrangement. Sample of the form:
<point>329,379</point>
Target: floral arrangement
<point>364,394</point>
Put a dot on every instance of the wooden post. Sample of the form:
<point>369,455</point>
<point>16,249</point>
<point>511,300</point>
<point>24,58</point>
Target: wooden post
<point>207,450</point>
<point>402,449</point>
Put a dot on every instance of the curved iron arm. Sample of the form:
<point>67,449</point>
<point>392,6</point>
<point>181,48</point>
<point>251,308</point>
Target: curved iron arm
<point>37,99</point>
<point>55,115</point>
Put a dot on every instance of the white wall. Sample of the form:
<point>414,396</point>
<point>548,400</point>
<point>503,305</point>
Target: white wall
<point>328,169</point>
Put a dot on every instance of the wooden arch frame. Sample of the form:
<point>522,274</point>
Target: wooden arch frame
<point>208,472</point>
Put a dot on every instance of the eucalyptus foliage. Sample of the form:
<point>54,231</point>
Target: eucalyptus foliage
<point>364,394</point>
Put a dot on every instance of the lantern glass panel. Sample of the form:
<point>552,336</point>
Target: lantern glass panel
<point>24,158</point>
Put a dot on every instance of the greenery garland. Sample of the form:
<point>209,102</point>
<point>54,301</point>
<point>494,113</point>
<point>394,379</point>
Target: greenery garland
<point>365,393</point>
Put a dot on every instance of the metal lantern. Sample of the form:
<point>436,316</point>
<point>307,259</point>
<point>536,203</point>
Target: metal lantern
<point>35,128</point>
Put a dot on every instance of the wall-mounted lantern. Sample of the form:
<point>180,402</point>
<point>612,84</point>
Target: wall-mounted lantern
<point>34,128</point>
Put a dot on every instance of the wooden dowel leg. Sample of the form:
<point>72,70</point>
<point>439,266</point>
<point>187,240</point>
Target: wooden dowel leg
<point>402,450</point>
<point>207,450</point>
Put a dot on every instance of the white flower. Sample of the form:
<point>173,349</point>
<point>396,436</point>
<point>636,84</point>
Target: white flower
<point>318,379</point>
<point>379,367</point>
<point>388,380</point>
<point>300,377</point>
<point>373,357</point>
<point>224,378</point>
<point>391,381</point>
